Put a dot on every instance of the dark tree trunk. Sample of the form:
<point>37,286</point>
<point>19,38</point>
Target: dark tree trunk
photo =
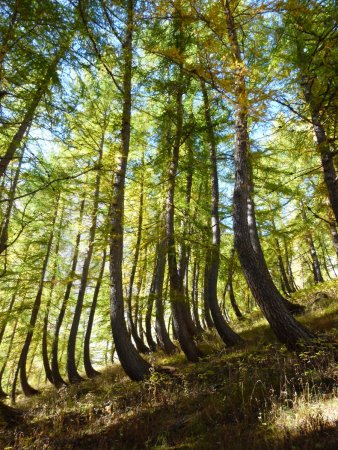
<point>26,388</point>
<point>6,359</point>
<point>9,310</point>
<point>72,372</point>
<point>195,295</point>
<point>132,326</point>
<point>57,378</point>
<point>207,315</point>
<point>317,273</point>
<point>138,319</point>
<point>185,249</point>
<point>150,305</point>
<point>323,144</point>
<point>90,371</point>
<point>294,308</point>
<point>162,334</point>
<point>133,364</point>
<point>288,288</point>
<point>286,328</point>
<point>45,357</point>
<point>288,261</point>
<point>229,286</point>
<point>316,270</point>
<point>228,336</point>
<point>5,224</point>
<point>176,283</point>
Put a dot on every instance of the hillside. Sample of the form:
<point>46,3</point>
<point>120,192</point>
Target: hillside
<point>259,396</point>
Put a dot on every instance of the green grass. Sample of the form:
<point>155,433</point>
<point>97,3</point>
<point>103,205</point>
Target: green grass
<point>259,396</point>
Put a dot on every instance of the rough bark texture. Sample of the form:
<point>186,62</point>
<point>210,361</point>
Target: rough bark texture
<point>133,364</point>
<point>286,328</point>
<point>228,336</point>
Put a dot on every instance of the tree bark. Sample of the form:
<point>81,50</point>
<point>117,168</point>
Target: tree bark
<point>45,356</point>
<point>207,315</point>
<point>150,305</point>
<point>5,224</point>
<point>286,328</point>
<point>229,286</point>
<point>57,378</point>
<point>229,337</point>
<point>133,364</point>
<point>6,359</point>
<point>316,270</point>
<point>141,347</point>
<point>90,371</point>
<point>73,375</point>
<point>162,334</point>
<point>176,283</point>
<point>195,295</point>
<point>26,388</point>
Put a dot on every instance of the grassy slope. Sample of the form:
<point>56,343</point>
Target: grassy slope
<point>256,397</point>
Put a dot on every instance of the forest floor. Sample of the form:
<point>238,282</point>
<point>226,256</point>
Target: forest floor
<point>259,396</point>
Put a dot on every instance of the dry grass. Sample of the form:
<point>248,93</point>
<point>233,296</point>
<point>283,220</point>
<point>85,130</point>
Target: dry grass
<point>257,397</point>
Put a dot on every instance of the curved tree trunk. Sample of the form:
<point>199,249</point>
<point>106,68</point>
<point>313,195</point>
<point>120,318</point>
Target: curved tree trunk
<point>288,261</point>
<point>195,295</point>
<point>207,316</point>
<point>317,273</point>
<point>294,308</point>
<point>228,336</point>
<point>176,283</point>
<point>27,389</point>
<point>162,334</point>
<point>6,359</point>
<point>45,357</point>
<point>150,305</point>
<point>90,371</point>
<point>6,316</point>
<point>133,364</point>
<point>229,286</point>
<point>72,372</point>
<point>56,376</point>
<point>132,326</point>
<point>11,195</point>
<point>316,270</point>
<point>286,328</point>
